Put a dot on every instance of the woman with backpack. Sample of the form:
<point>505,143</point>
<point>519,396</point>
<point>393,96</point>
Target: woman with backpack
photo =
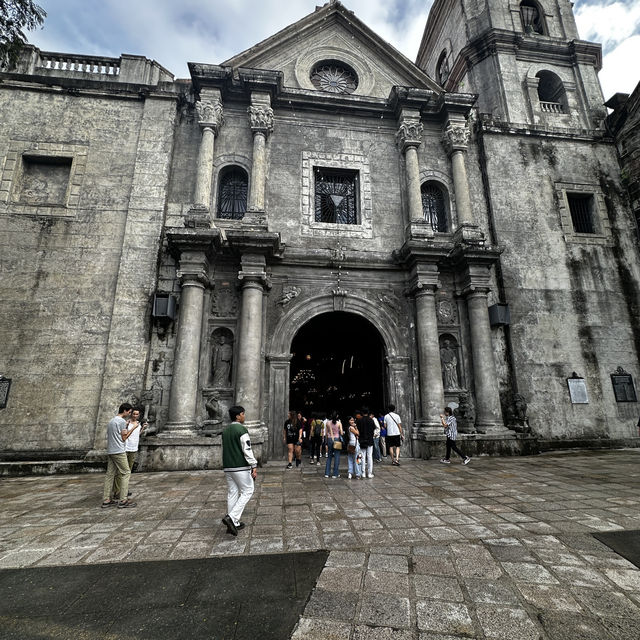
<point>292,437</point>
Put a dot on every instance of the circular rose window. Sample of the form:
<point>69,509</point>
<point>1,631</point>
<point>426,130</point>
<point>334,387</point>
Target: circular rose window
<point>334,77</point>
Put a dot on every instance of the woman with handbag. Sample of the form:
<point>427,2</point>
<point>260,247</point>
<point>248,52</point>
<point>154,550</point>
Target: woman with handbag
<point>353,449</point>
<point>334,445</point>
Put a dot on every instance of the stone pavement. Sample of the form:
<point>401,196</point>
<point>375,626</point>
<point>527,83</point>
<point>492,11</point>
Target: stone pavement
<point>501,548</point>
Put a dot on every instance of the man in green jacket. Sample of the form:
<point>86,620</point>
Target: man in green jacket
<point>240,468</point>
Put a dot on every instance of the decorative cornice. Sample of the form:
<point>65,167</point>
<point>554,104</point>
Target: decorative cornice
<point>261,119</point>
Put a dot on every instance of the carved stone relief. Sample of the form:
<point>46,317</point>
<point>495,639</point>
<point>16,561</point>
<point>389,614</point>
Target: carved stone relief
<point>221,358</point>
<point>449,361</point>
<point>224,302</point>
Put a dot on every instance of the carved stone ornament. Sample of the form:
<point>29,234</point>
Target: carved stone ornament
<point>447,313</point>
<point>288,294</point>
<point>456,137</point>
<point>409,134</point>
<point>224,303</point>
<point>191,275</point>
<point>388,301</point>
<point>261,119</point>
<point>210,114</point>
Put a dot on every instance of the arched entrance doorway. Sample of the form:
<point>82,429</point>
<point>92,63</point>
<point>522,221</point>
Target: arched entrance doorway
<point>338,363</point>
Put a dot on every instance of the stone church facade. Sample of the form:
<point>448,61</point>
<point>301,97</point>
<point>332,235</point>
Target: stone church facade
<point>318,223</point>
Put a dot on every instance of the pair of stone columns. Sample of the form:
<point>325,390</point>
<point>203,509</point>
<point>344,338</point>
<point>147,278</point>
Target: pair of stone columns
<point>211,119</point>
<point>193,272</point>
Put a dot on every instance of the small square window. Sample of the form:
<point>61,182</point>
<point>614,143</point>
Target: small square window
<point>45,180</point>
<point>582,214</point>
<point>336,196</point>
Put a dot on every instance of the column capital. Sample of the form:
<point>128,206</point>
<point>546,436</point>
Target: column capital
<point>409,134</point>
<point>456,136</point>
<point>253,271</point>
<point>193,269</point>
<point>261,119</point>
<point>210,114</point>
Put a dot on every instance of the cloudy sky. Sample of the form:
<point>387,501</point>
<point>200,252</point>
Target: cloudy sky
<point>211,31</point>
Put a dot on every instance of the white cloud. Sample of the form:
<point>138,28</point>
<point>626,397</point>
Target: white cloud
<point>620,72</point>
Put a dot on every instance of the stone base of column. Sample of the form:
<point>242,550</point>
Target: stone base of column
<point>255,220</point>
<point>198,217</point>
<point>180,454</point>
<point>495,429</point>
<point>474,445</point>
<point>420,230</point>
<point>425,429</point>
<point>178,430</point>
<point>469,234</point>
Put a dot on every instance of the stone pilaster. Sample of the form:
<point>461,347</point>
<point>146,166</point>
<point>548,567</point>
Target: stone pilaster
<point>408,139</point>
<point>210,119</point>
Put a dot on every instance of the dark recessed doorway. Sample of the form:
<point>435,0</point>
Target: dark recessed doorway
<point>338,364</point>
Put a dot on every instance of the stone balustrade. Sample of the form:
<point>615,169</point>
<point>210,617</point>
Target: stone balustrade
<point>84,64</point>
<point>551,107</point>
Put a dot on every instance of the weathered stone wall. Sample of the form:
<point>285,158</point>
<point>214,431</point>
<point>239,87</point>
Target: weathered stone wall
<point>60,265</point>
<point>572,298</point>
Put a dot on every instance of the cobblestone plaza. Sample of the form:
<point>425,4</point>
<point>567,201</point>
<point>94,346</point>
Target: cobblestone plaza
<point>501,548</point>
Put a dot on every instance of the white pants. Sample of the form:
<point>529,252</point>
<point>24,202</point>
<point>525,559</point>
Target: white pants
<point>239,492</point>
<point>367,461</point>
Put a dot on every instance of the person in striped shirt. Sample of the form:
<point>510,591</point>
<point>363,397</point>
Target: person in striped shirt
<point>450,425</point>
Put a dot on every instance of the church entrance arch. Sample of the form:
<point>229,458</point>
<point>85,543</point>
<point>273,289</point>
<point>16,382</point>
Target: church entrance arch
<point>337,364</point>
<point>328,327</point>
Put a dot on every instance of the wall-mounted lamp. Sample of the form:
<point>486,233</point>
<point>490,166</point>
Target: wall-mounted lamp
<point>164,312</point>
<point>499,315</point>
<point>5,385</point>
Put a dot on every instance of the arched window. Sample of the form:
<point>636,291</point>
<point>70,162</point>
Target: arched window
<point>531,16</point>
<point>233,185</point>
<point>434,206</point>
<point>442,68</point>
<point>551,93</point>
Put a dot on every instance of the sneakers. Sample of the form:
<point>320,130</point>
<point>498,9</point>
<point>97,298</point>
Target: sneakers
<point>445,461</point>
<point>298,463</point>
<point>370,475</point>
<point>289,466</point>
<point>326,475</point>
<point>467,460</point>
<point>349,476</point>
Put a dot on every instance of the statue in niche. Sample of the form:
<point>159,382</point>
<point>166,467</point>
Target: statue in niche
<point>222,359</point>
<point>449,362</point>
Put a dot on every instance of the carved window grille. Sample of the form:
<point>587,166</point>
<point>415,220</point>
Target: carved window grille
<point>334,77</point>
<point>336,196</point>
<point>232,193</point>
<point>433,207</point>
<point>581,208</point>
<point>531,16</point>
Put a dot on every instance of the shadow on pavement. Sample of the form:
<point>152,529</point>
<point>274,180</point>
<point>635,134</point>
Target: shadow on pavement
<point>229,598</point>
<point>624,543</point>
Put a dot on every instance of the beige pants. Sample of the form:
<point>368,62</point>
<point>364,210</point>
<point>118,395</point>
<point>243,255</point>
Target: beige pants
<point>117,467</point>
<point>131,458</point>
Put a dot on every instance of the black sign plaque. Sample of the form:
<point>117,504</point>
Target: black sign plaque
<point>5,385</point>
<point>623,387</point>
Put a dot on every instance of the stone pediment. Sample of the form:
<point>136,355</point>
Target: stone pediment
<point>334,35</point>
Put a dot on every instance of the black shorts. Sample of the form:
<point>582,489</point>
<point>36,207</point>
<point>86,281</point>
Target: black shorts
<point>291,440</point>
<point>393,441</point>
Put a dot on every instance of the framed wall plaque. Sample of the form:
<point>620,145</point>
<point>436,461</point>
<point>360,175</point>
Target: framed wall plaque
<point>578,390</point>
<point>623,387</point>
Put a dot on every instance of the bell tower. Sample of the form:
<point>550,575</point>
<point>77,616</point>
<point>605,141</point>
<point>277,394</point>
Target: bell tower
<point>524,59</point>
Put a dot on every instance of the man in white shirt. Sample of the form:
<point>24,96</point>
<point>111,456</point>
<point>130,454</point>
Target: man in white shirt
<point>394,434</point>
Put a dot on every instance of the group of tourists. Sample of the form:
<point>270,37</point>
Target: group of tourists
<point>364,436</point>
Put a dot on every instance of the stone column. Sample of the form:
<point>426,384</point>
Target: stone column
<point>261,120</point>
<point>456,140</point>
<point>408,139</point>
<point>431,389</point>
<point>210,119</point>
<point>249,368</point>
<point>193,274</point>
<point>488,410</point>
